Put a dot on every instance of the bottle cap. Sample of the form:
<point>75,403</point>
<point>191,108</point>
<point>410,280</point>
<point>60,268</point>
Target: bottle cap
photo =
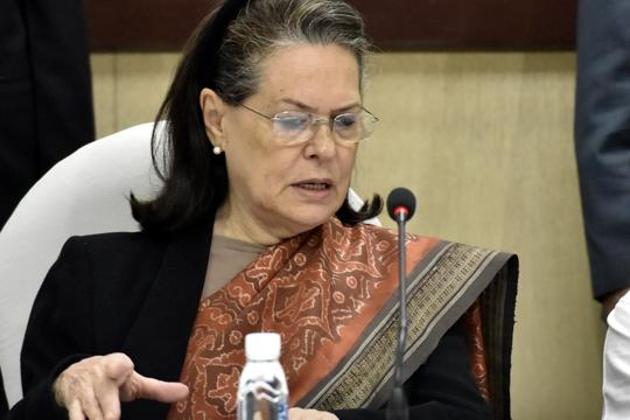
<point>262,346</point>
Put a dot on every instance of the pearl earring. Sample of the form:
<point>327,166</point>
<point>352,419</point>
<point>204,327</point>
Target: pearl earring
<point>216,150</point>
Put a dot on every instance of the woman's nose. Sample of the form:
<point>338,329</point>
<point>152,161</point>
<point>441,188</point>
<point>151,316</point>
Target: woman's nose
<point>323,142</point>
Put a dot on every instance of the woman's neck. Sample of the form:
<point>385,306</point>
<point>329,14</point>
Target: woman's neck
<point>231,223</point>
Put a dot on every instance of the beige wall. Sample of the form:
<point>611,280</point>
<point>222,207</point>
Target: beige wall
<point>485,142</point>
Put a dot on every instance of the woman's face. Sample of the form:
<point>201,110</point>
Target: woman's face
<point>289,189</point>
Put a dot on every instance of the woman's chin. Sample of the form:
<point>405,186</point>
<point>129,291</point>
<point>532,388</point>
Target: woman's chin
<point>306,219</point>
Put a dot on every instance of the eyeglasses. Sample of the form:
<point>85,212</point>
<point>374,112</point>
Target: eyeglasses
<point>295,127</point>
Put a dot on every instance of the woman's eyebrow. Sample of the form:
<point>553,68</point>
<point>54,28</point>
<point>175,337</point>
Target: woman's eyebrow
<point>298,104</point>
<point>346,108</point>
<point>311,109</point>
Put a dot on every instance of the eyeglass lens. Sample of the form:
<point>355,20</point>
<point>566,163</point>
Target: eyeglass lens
<point>299,126</point>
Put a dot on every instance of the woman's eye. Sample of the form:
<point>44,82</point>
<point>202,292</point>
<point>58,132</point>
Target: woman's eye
<point>292,122</point>
<point>346,120</point>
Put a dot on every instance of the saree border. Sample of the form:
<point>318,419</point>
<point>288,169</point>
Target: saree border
<point>448,280</point>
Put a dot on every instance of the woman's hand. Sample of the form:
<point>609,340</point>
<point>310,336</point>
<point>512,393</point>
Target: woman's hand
<point>94,387</point>
<point>304,414</point>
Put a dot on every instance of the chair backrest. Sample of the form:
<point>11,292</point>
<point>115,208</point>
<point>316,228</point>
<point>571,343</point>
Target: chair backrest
<point>85,193</point>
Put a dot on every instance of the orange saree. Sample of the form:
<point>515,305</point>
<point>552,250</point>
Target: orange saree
<point>331,294</point>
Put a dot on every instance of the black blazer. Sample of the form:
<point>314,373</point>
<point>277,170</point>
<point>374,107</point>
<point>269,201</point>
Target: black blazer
<point>602,138</point>
<point>139,294</point>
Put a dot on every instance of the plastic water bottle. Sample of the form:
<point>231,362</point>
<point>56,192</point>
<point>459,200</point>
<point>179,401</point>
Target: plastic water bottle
<point>262,388</point>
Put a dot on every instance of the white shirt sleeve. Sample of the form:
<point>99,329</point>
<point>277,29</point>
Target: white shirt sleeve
<point>616,387</point>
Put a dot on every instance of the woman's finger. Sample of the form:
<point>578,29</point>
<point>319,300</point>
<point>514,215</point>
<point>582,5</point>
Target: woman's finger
<point>296,413</point>
<point>139,386</point>
<point>109,401</point>
<point>74,411</point>
<point>89,404</point>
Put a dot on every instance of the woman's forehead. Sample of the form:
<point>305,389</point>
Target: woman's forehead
<point>307,73</point>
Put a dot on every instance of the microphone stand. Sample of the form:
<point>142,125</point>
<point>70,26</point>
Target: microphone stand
<point>397,409</point>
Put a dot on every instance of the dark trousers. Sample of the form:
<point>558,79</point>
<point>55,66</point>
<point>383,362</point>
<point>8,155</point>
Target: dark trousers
<point>45,91</point>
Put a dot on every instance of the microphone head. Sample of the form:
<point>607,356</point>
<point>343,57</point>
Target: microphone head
<point>401,197</point>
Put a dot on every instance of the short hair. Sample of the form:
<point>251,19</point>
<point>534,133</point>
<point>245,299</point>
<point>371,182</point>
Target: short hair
<point>225,54</point>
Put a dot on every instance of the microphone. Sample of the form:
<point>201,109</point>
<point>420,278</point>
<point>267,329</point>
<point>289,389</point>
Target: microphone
<point>401,205</point>
<point>401,202</point>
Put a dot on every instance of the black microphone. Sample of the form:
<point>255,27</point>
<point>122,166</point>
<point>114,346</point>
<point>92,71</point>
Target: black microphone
<point>401,205</point>
<point>401,201</point>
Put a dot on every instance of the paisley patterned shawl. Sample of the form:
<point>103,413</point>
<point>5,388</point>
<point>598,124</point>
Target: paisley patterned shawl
<point>331,294</point>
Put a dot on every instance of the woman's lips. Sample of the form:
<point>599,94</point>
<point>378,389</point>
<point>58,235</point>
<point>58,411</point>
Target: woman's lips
<point>314,188</point>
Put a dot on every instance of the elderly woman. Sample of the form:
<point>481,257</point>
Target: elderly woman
<point>253,232</point>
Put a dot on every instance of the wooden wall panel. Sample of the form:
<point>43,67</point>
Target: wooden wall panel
<point>164,25</point>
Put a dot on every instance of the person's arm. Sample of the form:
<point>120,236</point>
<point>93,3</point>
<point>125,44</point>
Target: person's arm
<point>602,142</point>
<point>442,388</point>
<point>59,376</point>
<point>58,333</point>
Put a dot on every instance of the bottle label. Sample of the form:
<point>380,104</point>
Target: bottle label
<point>283,413</point>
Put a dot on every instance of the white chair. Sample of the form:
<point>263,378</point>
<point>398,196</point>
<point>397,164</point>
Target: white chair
<point>85,193</point>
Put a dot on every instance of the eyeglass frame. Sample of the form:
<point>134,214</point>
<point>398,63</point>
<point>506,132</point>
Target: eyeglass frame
<point>317,120</point>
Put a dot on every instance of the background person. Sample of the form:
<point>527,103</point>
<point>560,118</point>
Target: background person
<point>602,140</point>
<point>45,92</point>
<point>45,96</point>
<point>602,143</point>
